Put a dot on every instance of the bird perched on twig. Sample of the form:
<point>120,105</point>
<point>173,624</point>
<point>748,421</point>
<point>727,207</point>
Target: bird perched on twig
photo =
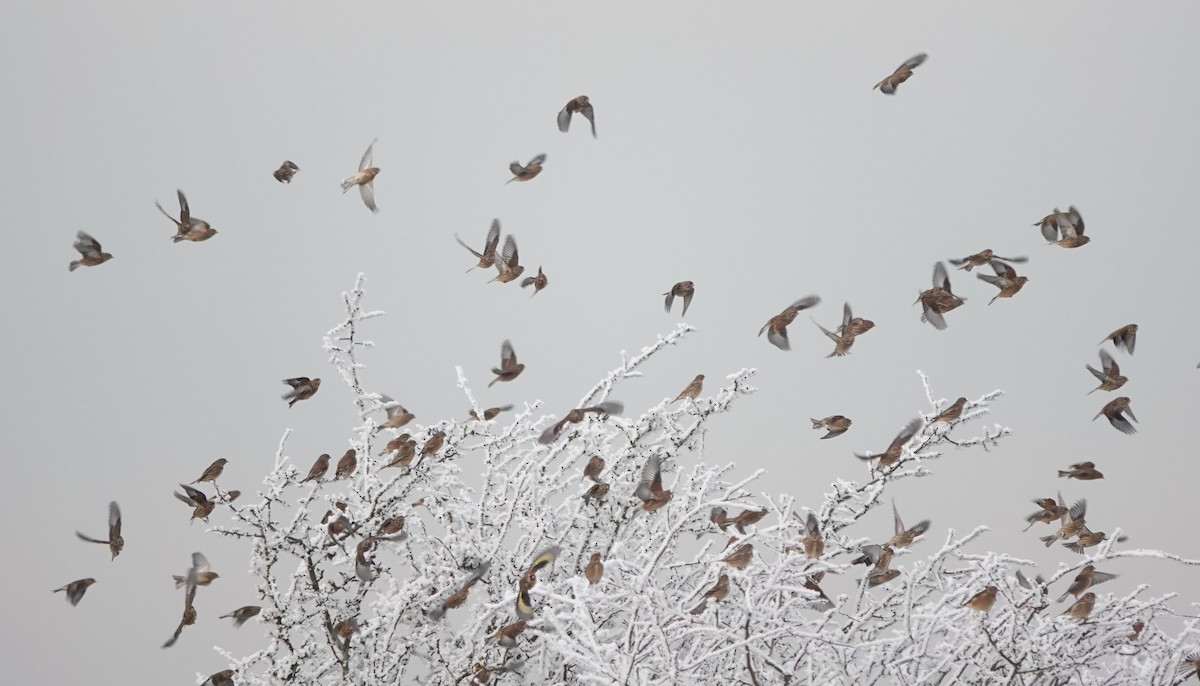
<point>286,171</point>
<point>459,597</point>
<point>592,469</point>
<point>692,391</point>
<point>951,413</point>
<point>835,424</point>
<point>213,472</point>
<point>776,327</point>
<point>528,171</point>
<point>740,557</point>
<point>594,571</point>
<point>303,388</point>
<point>364,178</point>
<point>187,227</point>
<point>900,75</point>
<point>317,471</point>
<point>346,465</point>
<point>90,250</point>
<point>1082,608</point>
<point>115,543</point>
<point>983,600</point>
<point>581,105</point>
<point>718,592</point>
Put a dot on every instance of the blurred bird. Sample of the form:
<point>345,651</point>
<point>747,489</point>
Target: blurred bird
<point>594,571</point>
<point>1084,471</point>
<point>1137,627</point>
<point>1050,221</point>
<point>1087,577</point>
<point>231,496</point>
<point>509,369</point>
<point>524,604</point>
<point>1089,539</point>
<point>836,424</point>
<point>821,603</point>
<point>720,517</point>
<point>459,597</point>
<point>528,171</point>
<point>814,545</point>
<point>1115,411</point>
<point>187,227</point>
<point>491,412</point>
<point>879,578</point>
<point>904,537</point>
<point>575,416</point>
<point>1006,280</point>
<point>346,465</point>
<point>1073,522</point>
<point>878,557</point>
<point>1066,229</point>
<point>1190,665</point>
<point>508,266</point>
<point>363,567</point>
<point>776,327</point>
<point>538,282</point>
<point>397,416</point>
<point>951,413</point>
<point>364,178</point>
<point>213,472</point>
<point>581,105</point>
<point>692,391</point>
<point>747,518</point>
<point>241,615</point>
<point>740,557</point>
<point>405,449</point>
<point>592,469</point>
<point>317,471</point>
<point>893,452</point>
<point>286,171</point>
<point>1124,338</point>
<point>506,635</point>
<point>718,592</point>
<point>76,589</point>
<point>488,257</point>
<point>980,259</point>
<point>597,491</point>
<point>888,84</point>
<point>303,388</point>
<point>1110,378</point>
<point>683,289</point>
<point>115,543</point>
<point>543,559</point>
<point>1051,511</point>
<point>649,489</point>
<point>983,600</point>
<point>938,300</point>
<point>390,527</point>
<point>199,574</point>
<point>844,339</point>
<point>90,249</point>
<point>188,619</point>
<point>1082,607</point>
<point>221,678</point>
<point>202,506</point>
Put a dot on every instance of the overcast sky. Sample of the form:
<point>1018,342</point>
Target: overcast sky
<point>740,147</point>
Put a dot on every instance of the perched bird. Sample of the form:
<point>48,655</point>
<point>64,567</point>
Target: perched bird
<point>1087,577</point>
<point>213,472</point>
<point>202,506</point>
<point>718,592</point>
<point>509,369</point>
<point>1082,607</point>
<point>683,289</point>
<point>747,518</point>
<point>814,544</point>
<point>844,339</point>
<point>199,574</point>
<point>1051,511</point>
<point>692,391</point>
<point>740,557</point>
<point>488,257</point>
<point>982,258</point>
<point>90,249</point>
<point>405,449</point>
<point>1084,471</point>
<point>433,444</point>
<point>187,227</point>
<point>76,589</point>
<point>1109,374</point>
<point>508,266</point>
<point>528,171</point>
<point>983,600</point>
<point>649,489</point>
<point>390,528</point>
<point>888,84</point>
<point>491,412</point>
<point>836,425</point>
<point>596,492</point>
<point>776,327</point>
<point>241,615</point>
<point>1124,338</point>
<point>720,517</point>
<point>1006,280</point>
<point>1115,411</point>
<point>1066,229</point>
<point>363,568</point>
<point>904,537</point>
<point>221,678</point>
<point>1137,627</point>
<point>937,301</point>
<point>459,597</point>
<point>581,105</point>
<point>286,171</point>
<point>115,543</point>
<point>951,413</point>
<point>364,178</point>
<point>1073,523</point>
<point>575,416</point>
<point>592,469</point>
<point>346,465</point>
<point>303,388</point>
<point>506,635</point>
<point>893,452</point>
<point>538,282</point>
<point>594,571</point>
<point>317,471</point>
<point>397,416</point>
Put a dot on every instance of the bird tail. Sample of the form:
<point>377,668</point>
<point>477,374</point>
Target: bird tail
<point>817,423</point>
<point>1062,473</point>
<point>348,184</point>
<point>1048,540</point>
<point>176,238</point>
<point>74,265</point>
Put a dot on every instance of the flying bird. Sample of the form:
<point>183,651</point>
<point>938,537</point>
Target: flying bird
<point>221,678</point>
<point>90,249</point>
<point>1109,374</point>
<point>286,171</point>
<point>1052,511</point>
<point>538,282</point>
<point>776,327</point>
<point>982,258</point>
<point>938,300</point>
<point>649,489</point>
<point>397,416</point>
<point>889,83</point>
<point>488,257</point>
<point>459,597</point>
<point>844,339</point>
<point>1073,522</point>
<point>835,424</point>
<point>1087,577</point>
<point>1084,471</point>
<point>528,171</point>
<point>187,227</point>
<point>1006,280</point>
<point>115,543</point>
<point>581,105</point>
<point>491,412</point>
<point>814,544</point>
<point>893,452</point>
<point>509,369</point>
<point>905,536</point>
<point>1065,228</point>
<point>241,615</point>
<point>364,178</point>
<point>1115,411</point>
<point>213,472</point>
<point>508,266</point>
<point>76,589</point>
<point>683,289</point>
<point>575,416</point>
<point>202,507</point>
<point>303,388</point>
<point>199,574</point>
<point>1124,338</point>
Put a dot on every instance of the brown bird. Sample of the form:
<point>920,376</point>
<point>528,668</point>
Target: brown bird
<point>692,391</point>
<point>593,468</point>
<point>1082,607</point>
<point>1088,539</point>
<point>1124,338</point>
<point>581,105</point>
<point>1051,511</point>
<point>363,567</point>
<point>1050,221</point>
<point>221,678</point>
<point>506,636</point>
<point>575,416</point>
<point>683,289</point>
<point>1065,229</point>
<point>346,465</point>
<point>888,84</point>
<point>187,227</point>
<point>594,571</point>
<point>893,452</point>
<point>1084,471</point>
<point>202,506</point>
<point>740,557</point>
<point>951,413</point>
<point>983,600</point>
<point>747,518</point>
<point>390,527</point>
<point>115,543</point>
<point>982,258</point>
<point>528,171</point>
<point>76,589</point>
<point>814,545</point>
<point>508,265</point>
<point>405,450</point>
<point>938,300</point>
<point>1110,378</point>
<point>538,282</point>
<point>1073,523</point>
<point>776,327</point>
<point>718,592</point>
<point>1115,411</point>
<point>303,388</point>
<point>1137,627</point>
<point>845,338</point>
<point>649,489</point>
<point>879,578</point>
<point>90,249</point>
<point>836,424</point>
<point>231,496</point>
<point>188,619</point>
<point>397,416</point>
<point>488,257</point>
<point>490,413</point>
<point>720,517</point>
<point>459,597</point>
<point>1190,664</point>
<point>1087,577</point>
<point>509,369</point>
<point>597,491</point>
<point>213,472</point>
<point>199,574</point>
<point>433,443</point>
<point>904,537</point>
<point>1006,280</point>
<point>241,615</point>
<point>286,171</point>
<point>364,178</point>
<point>317,471</point>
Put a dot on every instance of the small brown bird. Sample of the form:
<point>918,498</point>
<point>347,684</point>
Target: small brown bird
<point>433,444</point>
<point>814,544</point>
<point>904,537</point>
<point>596,492</point>
<point>187,227</point>
<point>893,452</point>
<point>508,266</point>
<point>509,369</point>
<point>405,449</point>
<point>594,571</point>
<point>845,338</point>
<point>951,413</point>
<point>1050,221</point>
<point>1082,608</point>
<point>364,178</point>
<point>221,678</point>
<point>683,289</point>
<point>938,300</point>
<point>1124,338</point>
<point>538,282</point>
<point>488,257</point>
<point>1087,577</point>
<point>202,506</point>
<point>747,518</point>
<point>880,578</point>
<point>199,574</point>
<point>90,249</point>
<point>575,416</point>
<point>286,171</point>
<point>581,105</point>
<point>649,489</point>
<point>720,517</point>
<point>303,388</point>
<point>346,465</point>
<point>188,619</point>
<point>1088,539</point>
<point>692,391</point>
<point>459,597</point>
<point>1051,511</point>
<point>76,589</point>
<point>317,471</point>
<point>983,600</point>
<point>888,85</point>
<point>1115,411</point>
<point>241,615</point>
<point>836,424</point>
<point>1084,471</point>
<point>1073,523</point>
<point>390,527</point>
<point>776,327</point>
<point>1064,228</point>
<point>363,567</point>
<point>528,171</point>
<point>213,472</point>
<point>859,326</point>
<point>1110,378</point>
<point>982,258</point>
<point>397,416</point>
<point>1006,280</point>
<point>490,413</point>
<point>1137,627</point>
<point>718,592</point>
<point>115,543</point>
<point>593,468</point>
<point>740,557</point>
<point>506,635</point>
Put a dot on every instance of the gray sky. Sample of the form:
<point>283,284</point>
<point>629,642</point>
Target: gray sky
<point>740,147</point>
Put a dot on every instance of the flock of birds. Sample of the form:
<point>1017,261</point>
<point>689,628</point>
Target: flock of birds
<point>1065,229</point>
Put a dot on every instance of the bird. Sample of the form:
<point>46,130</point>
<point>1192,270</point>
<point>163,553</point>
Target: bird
<point>346,465</point>
<point>893,452</point>
<point>213,472</point>
<point>740,557</point>
<point>221,678</point>
<point>509,368</point>
<point>491,412</point>
<point>397,416</point>
<point>983,600</point>
<point>390,528</point>
<point>1124,338</point>
<point>363,567</point>
<point>538,282</point>
<point>405,449</point>
<point>1072,522</point>
<point>199,574</point>
<point>692,390</point>
<point>878,557</point>
<point>1050,221</point>
<point>508,267</point>
<point>1087,539</point>
<point>1066,229</point>
<point>951,413</point>
<point>543,559</point>
<point>1084,471</point>
<point>1190,664</point>
<point>814,544</point>
<point>1082,607</point>
<point>844,339</point>
<point>317,471</point>
<point>1051,511</point>
<point>1006,280</point>
<point>303,388</point>
<point>1137,627</point>
<point>982,258</point>
<point>1109,374</point>
<point>433,444</point>
<point>1115,411</point>
<point>878,578</point>
<point>597,491</point>
<point>776,327</point>
<point>575,416</point>
<point>581,105</point>
<point>364,178</point>
<point>488,257</point>
<point>937,301</point>
<point>718,592</point>
<point>888,85</point>
<point>242,614</point>
<point>506,635</point>
<point>904,537</point>
<point>286,171</point>
<point>459,596</point>
<point>835,424</point>
<point>76,589</point>
<point>1087,577</point>
<point>649,489</point>
<point>90,249</point>
<point>683,289</point>
<point>594,571</point>
<point>188,619</point>
<point>187,227</point>
<point>747,518</point>
<point>115,543</point>
<point>524,605</point>
<point>528,171</point>
<point>202,506</point>
<point>592,469</point>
